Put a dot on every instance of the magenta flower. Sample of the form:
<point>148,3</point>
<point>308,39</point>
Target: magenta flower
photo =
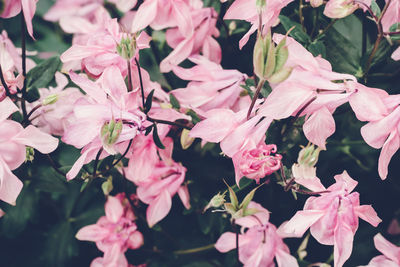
<point>256,163</point>
<point>259,241</point>
<point>114,233</point>
<point>333,217</point>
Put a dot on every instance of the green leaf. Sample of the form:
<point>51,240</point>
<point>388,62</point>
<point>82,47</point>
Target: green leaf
<point>174,102</point>
<point>375,8</point>
<point>32,94</point>
<point>156,138</point>
<point>266,89</point>
<point>148,130</point>
<point>297,33</point>
<point>232,196</point>
<point>193,114</point>
<point>41,75</point>
<point>60,245</point>
<point>248,198</point>
<point>395,28</point>
<point>149,102</point>
<point>317,48</point>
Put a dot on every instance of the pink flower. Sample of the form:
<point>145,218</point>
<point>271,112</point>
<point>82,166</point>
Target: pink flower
<point>247,10</point>
<point>259,244</point>
<point>256,163</point>
<point>11,8</point>
<point>392,15</point>
<point>13,142</point>
<point>201,40</point>
<point>210,85</point>
<point>333,217</point>
<point>54,118</point>
<point>113,233</point>
<point>391,253</point>
<point>67,8</point>
<point>165,180</point>
<point>107,101</point>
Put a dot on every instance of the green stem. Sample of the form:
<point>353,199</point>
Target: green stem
<point>194,250</point>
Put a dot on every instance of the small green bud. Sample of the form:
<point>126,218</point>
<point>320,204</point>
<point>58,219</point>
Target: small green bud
<point>30,154</point>
<point>127,47</point>
<point>50,99</point>
<point>217,201</point>
<point>309,155</point>
<point>110,133</point>
<point>186,140</point>
<point>107,186</point>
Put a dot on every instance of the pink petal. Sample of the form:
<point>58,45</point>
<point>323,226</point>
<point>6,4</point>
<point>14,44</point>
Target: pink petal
<point>145,15</point>
<point>389,148</point>
<point>114,209</point>
<point>183,193</point>
<point>343,244</point>
<point>180,53</point>
<point>7,107</point>
<point>284,259</point>
<point>90,88</point>
<point>299,223</point>
<point>10,185</point>
<point>29,8</point>
<point>226,242</point>
<point>33,137</point>
<point>159,208</point>
<point>386,248</point>
<point>319,126</point>
<point>367,103</point>
<point>92,232</point>
<point>368,214</point>
<point>349,182</point>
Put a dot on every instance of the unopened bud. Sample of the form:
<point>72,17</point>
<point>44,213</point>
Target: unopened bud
<point>107,186</point>
<point>186,140</point>
<point>50,99</point>
<point>110,133</point>
<point>337,9</point>
<point>309,155</point>
<point>217,201</point>
<point>260,4</point>
<point>30,154</point>
<point>127,47</point>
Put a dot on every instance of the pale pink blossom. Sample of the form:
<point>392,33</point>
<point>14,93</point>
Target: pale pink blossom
<point>248,11</point>
<point>392,15</point>
<point>259,242</point>
<point>107,100</point>
<point>165,180</point>
<point>333,217</point>
<point>56,117</point>
<point>114,233</point>
<point>210,85</point>
<point>391,253</point>
<point>256,163</point>
<point>67,8</point>
<point>11,8</point>
<point>200,40</point>
<point>13,142</point>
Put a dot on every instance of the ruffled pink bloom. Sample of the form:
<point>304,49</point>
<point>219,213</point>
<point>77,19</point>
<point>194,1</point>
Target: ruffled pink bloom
<point>391,253</point>
<point>247,10</point>
<point>99,51</point>
<point>382,111</point>
<point>14,7</point>
<point>256,163</point>
<point>57,117</point>
<point>200,40</point>
<point>231,130</point>
<point>259,242</point>
<point>107,99</point>
<point>165,180</point>
<point>333,217</point>
<point>114,233</point>
<point>13,142</point>
<point>311,90</point>
<point>210,85</point>
<point>162,14</point>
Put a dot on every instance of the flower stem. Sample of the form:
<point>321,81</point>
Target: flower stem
<point>194,250</point>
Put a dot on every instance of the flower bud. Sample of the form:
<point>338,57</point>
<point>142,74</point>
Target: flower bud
<point>110,133</point>
<point>217,201</point>
<point>30,154</point>
<point>50,99</point>
<point>316,3</point>
<point>337,9</point>
<point>127,47</point>
<point>309,155</point>
<point>107,186</point>
<point>186,140</point>
<point>269,60</point>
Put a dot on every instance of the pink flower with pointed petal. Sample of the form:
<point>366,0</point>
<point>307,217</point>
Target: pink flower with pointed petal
<point>392,15</point>
<point>14,7</point>
<point>391,253</point>
<point>332,217</point>
<point>201,40</point>
<point>259,244</point>
<point>247,10</point>
<point>114,233</point>
<point>13,142</point>
<point>210,86</point>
